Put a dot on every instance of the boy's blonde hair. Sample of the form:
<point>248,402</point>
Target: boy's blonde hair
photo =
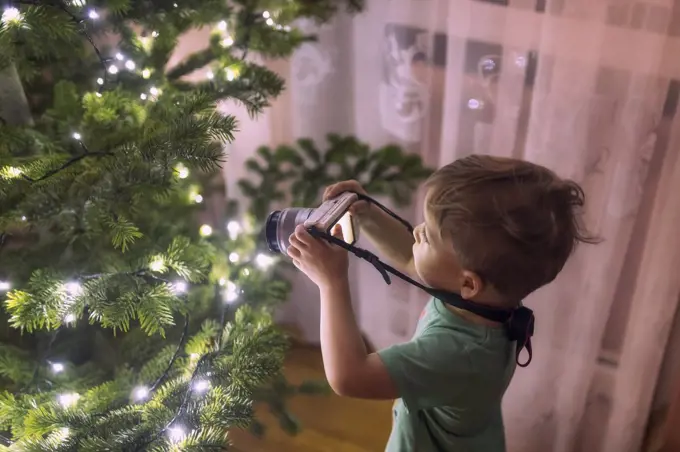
<point>512,222</point>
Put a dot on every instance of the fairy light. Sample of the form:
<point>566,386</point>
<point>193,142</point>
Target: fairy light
<point>140,393</point>
<point>143,96</point>
<point>228,41</point>
<point>77,136</point>
<point>198,199</point>
<point>100,81</point>
<point>270,22</point>
<point>23,218</point>
<point>11,15</point>
<point>154,91</point>
<point>69,399</point>
<point>205,230</point>
<point>130,65</point>
<point>222,25</point>
<point>286,28</point>
<point>154,34</point>
<point>246,271</point>
<point>119,56</point>
<point>201,386</point>
<point>179,287</point>
<point>231,294</point>
<point>57,367</point>
<point>98,94</point>
<point>234,257</point>
<point>5,286</point>
<point>73,288</point>
<point>69,318</point>
<point>222,281</point>
<point>93,14</point>
<point>263,261</point>
<point>266,14</point>
<point>176,433</point>
<point>182,171</point>
<point>157,265</point>
<point>230,74</point>
<point>210,75</point>
<point>475,104</point>
<point>233,228</point>
<point>146,73</point>
<point>113,69</point>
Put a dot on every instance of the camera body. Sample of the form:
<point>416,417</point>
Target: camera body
<point>282,223</point>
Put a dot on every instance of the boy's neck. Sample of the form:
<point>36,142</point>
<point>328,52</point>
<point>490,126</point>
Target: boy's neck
<point>472,317</point>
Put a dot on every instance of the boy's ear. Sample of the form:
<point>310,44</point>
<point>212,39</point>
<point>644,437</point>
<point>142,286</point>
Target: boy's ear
<point>471,285</point>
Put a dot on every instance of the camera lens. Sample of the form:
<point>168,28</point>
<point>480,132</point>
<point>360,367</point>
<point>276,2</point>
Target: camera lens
<point>281,224</point>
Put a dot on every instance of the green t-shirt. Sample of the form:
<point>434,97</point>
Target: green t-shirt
<point>451,377</point>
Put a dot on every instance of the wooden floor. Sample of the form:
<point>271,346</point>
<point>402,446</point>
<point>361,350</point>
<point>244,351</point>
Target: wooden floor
<point>329,423</point>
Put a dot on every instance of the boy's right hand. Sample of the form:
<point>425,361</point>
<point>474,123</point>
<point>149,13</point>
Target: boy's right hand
<point>358,208</point>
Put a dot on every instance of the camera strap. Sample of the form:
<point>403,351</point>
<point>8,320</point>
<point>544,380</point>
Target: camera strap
<point>518,322</point>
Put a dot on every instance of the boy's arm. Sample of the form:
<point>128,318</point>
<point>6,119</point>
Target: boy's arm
<point>350,369</point>
<point>391,238</point>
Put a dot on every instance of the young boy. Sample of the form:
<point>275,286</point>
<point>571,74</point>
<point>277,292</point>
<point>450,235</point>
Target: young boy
<point>495,230</point>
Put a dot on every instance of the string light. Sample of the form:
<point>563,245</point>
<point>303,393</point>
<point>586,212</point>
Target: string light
<point>266,14</point>
<point>130,65</point>
<point>179,287</point>
<point>119,56</point>
<point>230,74</point>
<point>70,318</point>
<point>142,96</point>
<point>154,34</point>
<point>100,81</point>
<point>475,104</point>
<point>231,292</point>
<point>57,367</point>
<point>140,393</point>
<point>23,218</point>
<point>198,199</point>
<point>205,230</point>
<point>76,136</point>
<point>264,261</point>
<point>201,386</point>
<point>182,171</point>
<point>10,15</point>
<point>176,433</point>
<point>270,22</point>
<point>154,91</point>
<point>157,265</point>
<point>93,14</point>
<point>234,257</point>
<point>210,75</point>
<point>233,228</point>
<point>246,271</point>
<point>113,69</point>
<point>5,286</point>
<point>68,399</point>
<point>222,25</point>
<point>222,281</point>
<point>228,41</point>
<point>73,288</point>
<point>146,73</point>
<point>98,94</point>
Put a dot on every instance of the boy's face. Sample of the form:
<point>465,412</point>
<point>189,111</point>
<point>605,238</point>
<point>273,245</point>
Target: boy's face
<point>436,262</point>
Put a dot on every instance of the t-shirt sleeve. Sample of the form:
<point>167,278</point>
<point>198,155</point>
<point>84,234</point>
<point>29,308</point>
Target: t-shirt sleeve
<point>427,367</point>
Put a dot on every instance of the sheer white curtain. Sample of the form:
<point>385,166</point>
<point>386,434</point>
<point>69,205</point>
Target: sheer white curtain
<point>585,87</point>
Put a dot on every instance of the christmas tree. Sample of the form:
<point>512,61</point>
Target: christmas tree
<point>106,280</point>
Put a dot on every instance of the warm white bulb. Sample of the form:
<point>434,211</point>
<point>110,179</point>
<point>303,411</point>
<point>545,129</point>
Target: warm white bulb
<point>231,292</point>
<point>130,65</point>
<point>246,271</point>
<point>153,90</point>
<point>286,28</point>
<point>266,15</point>
<point>157,265</point>
<point>93,14</point>
<point>234,257</point>
<point>5,286</point>
<point>73,288</point>
<point>176,433</point>
<point>142,96</point>
<point>57,367</point>
<point>23,218</point>
<point>210,75</point>
<point>182,171</point>
<point>69,399</point>
<point>270,22</point>
<point>205,230</point>
<point>263,261</point>
<point>474,104</point>
<point>76,136</point>
<point>98,94</point>
<point>233,228</point>
<point>154,34</point>
<point>200,386</point>
<point>228,41</point>
<point>113,69</point>
<point>222,25</point>
<point>222,281</point>
<point>119,56</point>
<point>69,318</point>
<point>230,75</point>
<point>140,393</point>
<point>179,287</point>
<point>11,15</point>
<point>198,199</point>
<point>146,73</point>
<point>100,81</point>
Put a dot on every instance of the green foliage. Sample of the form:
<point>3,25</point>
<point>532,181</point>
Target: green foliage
<point>387,171</point>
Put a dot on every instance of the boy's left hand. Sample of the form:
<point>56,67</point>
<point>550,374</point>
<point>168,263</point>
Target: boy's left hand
<point>321,261</point>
